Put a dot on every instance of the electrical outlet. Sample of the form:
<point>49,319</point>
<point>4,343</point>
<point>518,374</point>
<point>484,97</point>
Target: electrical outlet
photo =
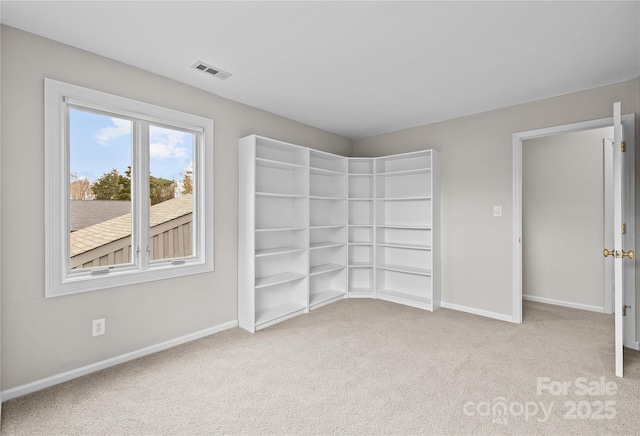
<point>497,210</point>
<point>99,327</point>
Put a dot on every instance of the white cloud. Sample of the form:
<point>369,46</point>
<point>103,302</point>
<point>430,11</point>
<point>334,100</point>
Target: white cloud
<point>167,144</point>
<point>119,129</point>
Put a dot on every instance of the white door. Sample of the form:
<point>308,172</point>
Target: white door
<point>622,253</point>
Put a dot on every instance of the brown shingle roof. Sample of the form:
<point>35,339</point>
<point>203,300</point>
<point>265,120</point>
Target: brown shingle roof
<point>85,213</point>
<point>120,227</point>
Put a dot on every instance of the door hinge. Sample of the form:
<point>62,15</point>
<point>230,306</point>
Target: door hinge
<point>624,229</point>
<point>624,310</point>
<point>623,146</point>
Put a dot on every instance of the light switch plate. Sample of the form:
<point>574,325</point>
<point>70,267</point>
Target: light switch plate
<point>497,210</point>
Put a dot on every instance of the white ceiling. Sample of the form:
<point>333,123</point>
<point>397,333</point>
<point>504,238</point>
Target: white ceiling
<point>358,68</point>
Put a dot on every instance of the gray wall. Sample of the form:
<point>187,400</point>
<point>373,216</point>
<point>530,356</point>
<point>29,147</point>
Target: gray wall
<point>42,337</point>
<point>562,217</point>
<point>476,159</point>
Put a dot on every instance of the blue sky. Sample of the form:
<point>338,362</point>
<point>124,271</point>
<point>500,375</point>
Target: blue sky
<point>100,143</point>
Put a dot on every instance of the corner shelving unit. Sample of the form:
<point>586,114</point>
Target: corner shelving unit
<point>315,228</point>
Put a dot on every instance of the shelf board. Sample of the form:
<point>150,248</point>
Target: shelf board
<point>262,282</point>
<point>408,246</point>
<point>323,197</point>
<point>360,225</point>
<point>274,195</point>
<point>361,265</point>
<point>328,226</point>
<point>324,296</point>
<point>361,243</point>
<point>279,250</point>
<point>280,311</point>
<point>325,172</point>
<point>403,226</point>
<point>279,229</point>
<point>360,174</point>
<point>331,244</point>
<point>278,164</point>
<point>321,269</point>
<point>405,172</point>
<point>404,296</point>
<point>360,293</point>
<point>405,269</point>
<point>360,198</point>
<point>425,197</point>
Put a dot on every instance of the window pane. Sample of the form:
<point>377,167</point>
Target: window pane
<point>100,190</point>
<point>171,190</point>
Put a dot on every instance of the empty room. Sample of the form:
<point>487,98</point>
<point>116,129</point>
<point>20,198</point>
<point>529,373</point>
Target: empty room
<point>319,217</point>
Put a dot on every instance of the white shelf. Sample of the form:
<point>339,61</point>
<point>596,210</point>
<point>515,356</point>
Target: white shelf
<point>405,172</point>
<point>279,250</point>
<point>403,226</point>
<point>360,174</point>
<point>279,229</point>
<point>324,296</point>
<point>280,311</point>
<point>325,172</point>
<point>322,197</point>
<point>272,194</point>
<point>404,198</point>
<point>366,244</point>
<point>404,296</point>
<point>278,164</point>
<point>326,268</point>
<point>360,225</point>
<point>361,290</point>
<point>361,293</point>
<point>360,198</point>
<point>319,245</point>
<point>405,269</point>
<point>328,226</point>
<point>277,279</point>
<point>361,265</point>
<point>407,246</point>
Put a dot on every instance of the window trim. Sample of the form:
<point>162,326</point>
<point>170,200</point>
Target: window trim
<point>58,280</point>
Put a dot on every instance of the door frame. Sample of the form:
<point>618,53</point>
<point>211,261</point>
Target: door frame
<point>628,122</point>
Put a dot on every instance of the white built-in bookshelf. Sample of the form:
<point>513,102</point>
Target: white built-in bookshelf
<point>315,227</point>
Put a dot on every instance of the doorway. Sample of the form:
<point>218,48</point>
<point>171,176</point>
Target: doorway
<point>563,224</point>
<point>629,292</point>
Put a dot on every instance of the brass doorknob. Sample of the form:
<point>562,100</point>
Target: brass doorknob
<point>607,253</point>
<point>630,254</point>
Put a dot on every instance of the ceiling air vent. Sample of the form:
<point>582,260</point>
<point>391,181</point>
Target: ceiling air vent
<point>216,72</point>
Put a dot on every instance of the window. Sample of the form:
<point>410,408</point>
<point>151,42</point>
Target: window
<point>129,191</point>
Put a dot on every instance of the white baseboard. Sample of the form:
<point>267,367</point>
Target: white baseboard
<point>563,303</point>
<point>473,310</point>
<point>37,385</point>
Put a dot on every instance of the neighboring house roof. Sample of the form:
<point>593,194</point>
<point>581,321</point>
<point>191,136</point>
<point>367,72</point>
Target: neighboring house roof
<point>85,213</point>
<point>113,229</point>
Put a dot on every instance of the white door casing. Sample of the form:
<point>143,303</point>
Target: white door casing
<point>628,123</point>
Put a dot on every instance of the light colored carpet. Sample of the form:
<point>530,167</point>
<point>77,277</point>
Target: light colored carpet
<point>355,367</point>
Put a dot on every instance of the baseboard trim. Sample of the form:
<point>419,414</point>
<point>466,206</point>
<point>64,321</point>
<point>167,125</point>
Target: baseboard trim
<point>563,303</point>
<point>474,311</point>
<point>37,385</point>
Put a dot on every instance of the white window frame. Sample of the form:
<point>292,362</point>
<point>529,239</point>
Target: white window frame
<point>59,280</point>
